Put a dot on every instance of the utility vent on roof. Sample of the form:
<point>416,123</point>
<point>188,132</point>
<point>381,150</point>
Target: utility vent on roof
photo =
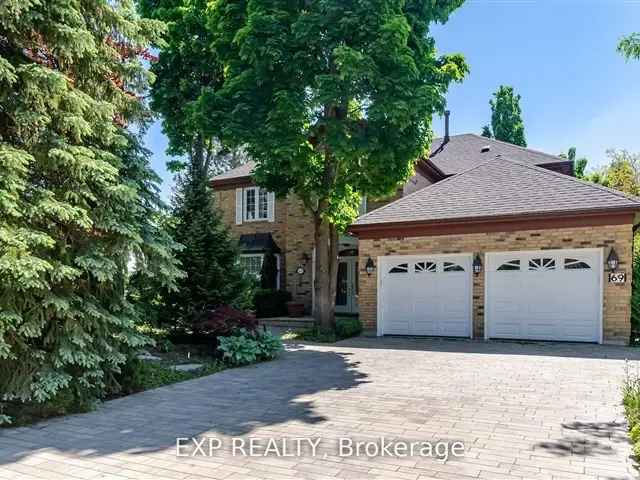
<point>485,149</point>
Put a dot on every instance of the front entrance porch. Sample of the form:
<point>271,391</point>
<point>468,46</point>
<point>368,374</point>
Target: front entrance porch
<point>347,286</point>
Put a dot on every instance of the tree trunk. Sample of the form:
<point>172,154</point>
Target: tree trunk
<point>326,270</point>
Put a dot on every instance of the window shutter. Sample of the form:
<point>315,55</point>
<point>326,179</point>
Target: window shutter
<point>271,206</point>
<point>238,206</point>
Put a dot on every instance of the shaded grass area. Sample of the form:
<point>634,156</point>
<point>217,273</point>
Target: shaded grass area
<point>346,327</point>
<point>153,368</point>
<point>136,376</point>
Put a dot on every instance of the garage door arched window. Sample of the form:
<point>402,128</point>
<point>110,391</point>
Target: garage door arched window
<point>542,264</point>
<point>400,268</point>
<point>452,267</point>
<point>425,267</point>
<point>510,266</point>
<point>575,264</point>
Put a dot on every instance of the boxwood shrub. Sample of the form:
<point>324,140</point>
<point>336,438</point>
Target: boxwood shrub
<point>270,303</point>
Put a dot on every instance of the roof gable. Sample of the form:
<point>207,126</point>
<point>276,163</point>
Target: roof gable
<point>500,187</point>
<point>460,153</point>
<point>241,172</point>
<point>464,151</point>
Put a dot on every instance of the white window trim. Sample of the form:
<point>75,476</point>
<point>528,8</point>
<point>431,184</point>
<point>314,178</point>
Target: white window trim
<point>253,255</point>
<point>277,255</point>
<point>278,265</point>
<point>270,205</point>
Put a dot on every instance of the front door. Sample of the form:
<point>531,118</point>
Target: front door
<point>347,288</point>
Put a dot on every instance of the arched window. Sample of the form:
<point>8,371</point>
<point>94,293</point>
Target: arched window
<point>452,267</point>
<point>400,268</point>
<point>542,264</point>
<point>425,267</point>
<point>510,266</point>
<point>575,264</point>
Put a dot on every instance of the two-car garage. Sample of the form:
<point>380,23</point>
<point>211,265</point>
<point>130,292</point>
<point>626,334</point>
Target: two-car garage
<point>536,238</point>
<point>537,295</point>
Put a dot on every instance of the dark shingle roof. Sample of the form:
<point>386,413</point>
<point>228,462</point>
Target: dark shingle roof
<point>460,153</point>
<point>464,151</point>
<point>500,187</point>
<point>243,170</point>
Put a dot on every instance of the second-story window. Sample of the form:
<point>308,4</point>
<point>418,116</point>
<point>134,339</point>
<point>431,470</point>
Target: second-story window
<point>256,204</point>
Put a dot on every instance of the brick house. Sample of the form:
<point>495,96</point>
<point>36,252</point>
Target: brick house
<point>487,240</point>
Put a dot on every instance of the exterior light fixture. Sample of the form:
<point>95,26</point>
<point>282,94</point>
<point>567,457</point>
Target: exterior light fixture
<point>369,266</point>
<point>477,264</point>
<point>613,260</point>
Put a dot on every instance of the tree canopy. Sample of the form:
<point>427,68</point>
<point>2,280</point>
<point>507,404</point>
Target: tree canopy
<point>622,172</point>
<point>333,99</point>
<point>506,117</point>
<point>629,46</point>
<point>186,66</point>
<point>305,80</point>
<point>76,194</point>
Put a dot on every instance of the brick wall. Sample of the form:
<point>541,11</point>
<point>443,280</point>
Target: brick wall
<point>292,230</point>
<point>617,310</point>
<point>300,242</point>
<point>225,201</point>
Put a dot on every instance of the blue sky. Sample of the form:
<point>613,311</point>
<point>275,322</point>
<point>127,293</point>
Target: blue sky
<point>560,55</point>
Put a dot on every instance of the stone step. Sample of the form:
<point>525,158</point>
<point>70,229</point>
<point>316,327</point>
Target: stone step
<point>289,322</point>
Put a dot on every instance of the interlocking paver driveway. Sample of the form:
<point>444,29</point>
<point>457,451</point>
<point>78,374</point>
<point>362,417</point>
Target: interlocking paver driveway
<point>536,411</point>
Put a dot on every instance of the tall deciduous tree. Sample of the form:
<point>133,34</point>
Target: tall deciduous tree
<point>506,117</point>
<point>333,99</point>
<point>74,205</point>
<point>623,171</point>
<point>187,66</point>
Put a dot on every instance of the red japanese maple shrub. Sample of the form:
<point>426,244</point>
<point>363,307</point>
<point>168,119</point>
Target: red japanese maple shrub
<point>224,319</point>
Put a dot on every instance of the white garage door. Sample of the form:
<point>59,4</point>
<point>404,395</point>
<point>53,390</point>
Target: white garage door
<point>425,295</point>
<point>544,295</point>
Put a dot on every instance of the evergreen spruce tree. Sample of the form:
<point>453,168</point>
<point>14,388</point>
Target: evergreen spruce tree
<point>486,131</point>
<point>186,67</point>
<point>75,197</point>
<point>210,255</point>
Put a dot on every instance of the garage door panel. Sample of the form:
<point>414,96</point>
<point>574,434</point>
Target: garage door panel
<point>541,329</point>
<point>426,300</point>
<point>555,295</point>
<point>425,326</point>
<point>506,329</point>
<point>426,309</point>
<point>578,330</point>
<point>398,327</point>
<point>454,328</point>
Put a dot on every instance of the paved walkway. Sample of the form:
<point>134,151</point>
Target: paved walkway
<point>535,411</point>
